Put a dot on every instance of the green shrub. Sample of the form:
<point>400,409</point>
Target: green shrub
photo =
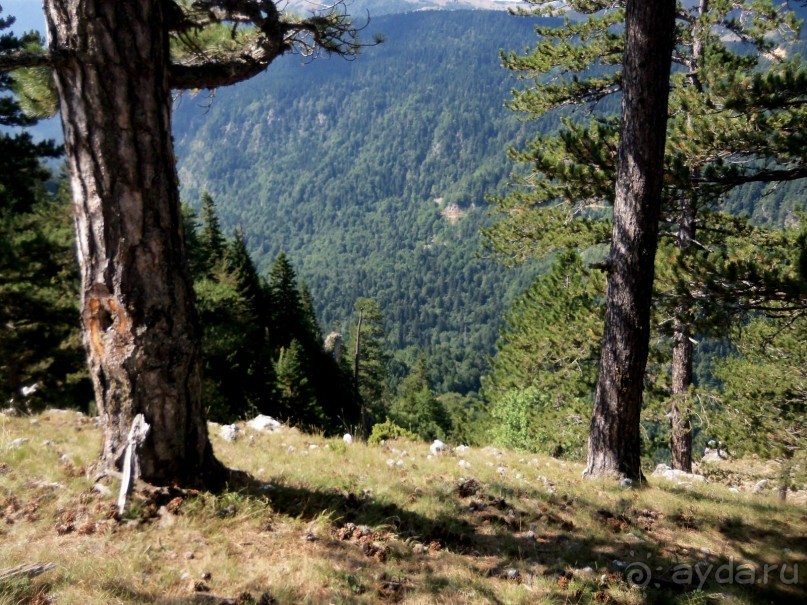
<point>528,419</point>
<point>387,431</point>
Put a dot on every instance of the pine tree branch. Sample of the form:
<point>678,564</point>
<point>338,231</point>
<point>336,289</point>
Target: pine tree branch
<point>224,69</point>
<point>24,58</point>
<point>331,31</point>
<point>760,176</point>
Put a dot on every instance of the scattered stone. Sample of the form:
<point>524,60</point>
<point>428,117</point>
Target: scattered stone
<point>102,489</point>
<point>34,421</point>
<point>438,447</point>
<point>760,486</point>
<point>206,575</point>
<point>17,443</point>
<point>461,449</point>
<point>464,464</point>
<point>189,555</point>
<point>313,446</point>
<point>264,423</point>
<point>512,574</point>
<point>227,511</point>
<point>670,474</point>
<point>229,432</point>
<point>347,438</point>
<point>734,490</point>
<point>626,483</point>
<point>714,455</point>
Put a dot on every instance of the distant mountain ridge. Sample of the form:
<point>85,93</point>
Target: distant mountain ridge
<point>387,7</point>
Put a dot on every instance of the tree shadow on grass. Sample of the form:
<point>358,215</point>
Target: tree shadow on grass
<point>541,539</point>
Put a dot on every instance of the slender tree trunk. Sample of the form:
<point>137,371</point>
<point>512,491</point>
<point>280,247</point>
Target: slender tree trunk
<point>614,447</point>
<point>680,414</point>
<point>365,421</point>
<point>139,323</point>
<point>680,420</point>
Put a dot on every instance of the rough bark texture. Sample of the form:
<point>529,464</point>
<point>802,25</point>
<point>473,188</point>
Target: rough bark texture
<point>614,439</point>
<point>139,322</point>
<point>680,421</point>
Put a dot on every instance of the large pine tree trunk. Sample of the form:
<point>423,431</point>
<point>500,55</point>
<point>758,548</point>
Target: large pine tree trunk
<point>614,439</point>
<point>139,322</point>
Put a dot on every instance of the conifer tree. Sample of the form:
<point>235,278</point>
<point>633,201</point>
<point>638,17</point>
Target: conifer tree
<point>246,276</point>
<point>114,67</point>
<point>210,236</point>
<point>371,384</point>
<point>39,339</point>
<point>764,399</point>
<point>417,409</point>
<point>710,149</point>
<point>551,335</point>
<point>310,324</point>
<point>294,389</point>
<point>284,294</point>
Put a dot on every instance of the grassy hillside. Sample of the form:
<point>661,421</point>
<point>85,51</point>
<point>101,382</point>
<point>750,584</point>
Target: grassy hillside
<point>325,522</point>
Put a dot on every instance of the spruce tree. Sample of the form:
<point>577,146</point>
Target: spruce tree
<point>210,236</point>
<point>285,303</point>
<point>296,398</point>
<point>416,407</point>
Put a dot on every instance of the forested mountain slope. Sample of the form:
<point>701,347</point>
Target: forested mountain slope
<point>371,175</point>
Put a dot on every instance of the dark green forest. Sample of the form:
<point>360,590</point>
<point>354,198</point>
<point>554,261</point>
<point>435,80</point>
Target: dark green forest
<point>372,175</point>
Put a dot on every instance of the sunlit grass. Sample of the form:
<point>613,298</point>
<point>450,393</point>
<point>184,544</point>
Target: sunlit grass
<point>327,522</point>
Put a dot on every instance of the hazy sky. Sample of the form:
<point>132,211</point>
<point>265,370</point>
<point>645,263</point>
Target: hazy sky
<point>28,13</point>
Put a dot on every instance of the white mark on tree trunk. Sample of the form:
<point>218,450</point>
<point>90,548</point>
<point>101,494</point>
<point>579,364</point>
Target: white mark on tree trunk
<point>131,463</point>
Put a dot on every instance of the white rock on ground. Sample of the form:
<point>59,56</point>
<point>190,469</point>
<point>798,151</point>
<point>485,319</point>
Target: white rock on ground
<point>229,432</point>
<point>347,438</point>
<point>438,447</point>
<point>264,423</point>
<point>760,486</point>
<point>665,472</point>
<point>714,455</point>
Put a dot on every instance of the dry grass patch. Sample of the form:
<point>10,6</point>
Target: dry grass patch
<point>323,522</point>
